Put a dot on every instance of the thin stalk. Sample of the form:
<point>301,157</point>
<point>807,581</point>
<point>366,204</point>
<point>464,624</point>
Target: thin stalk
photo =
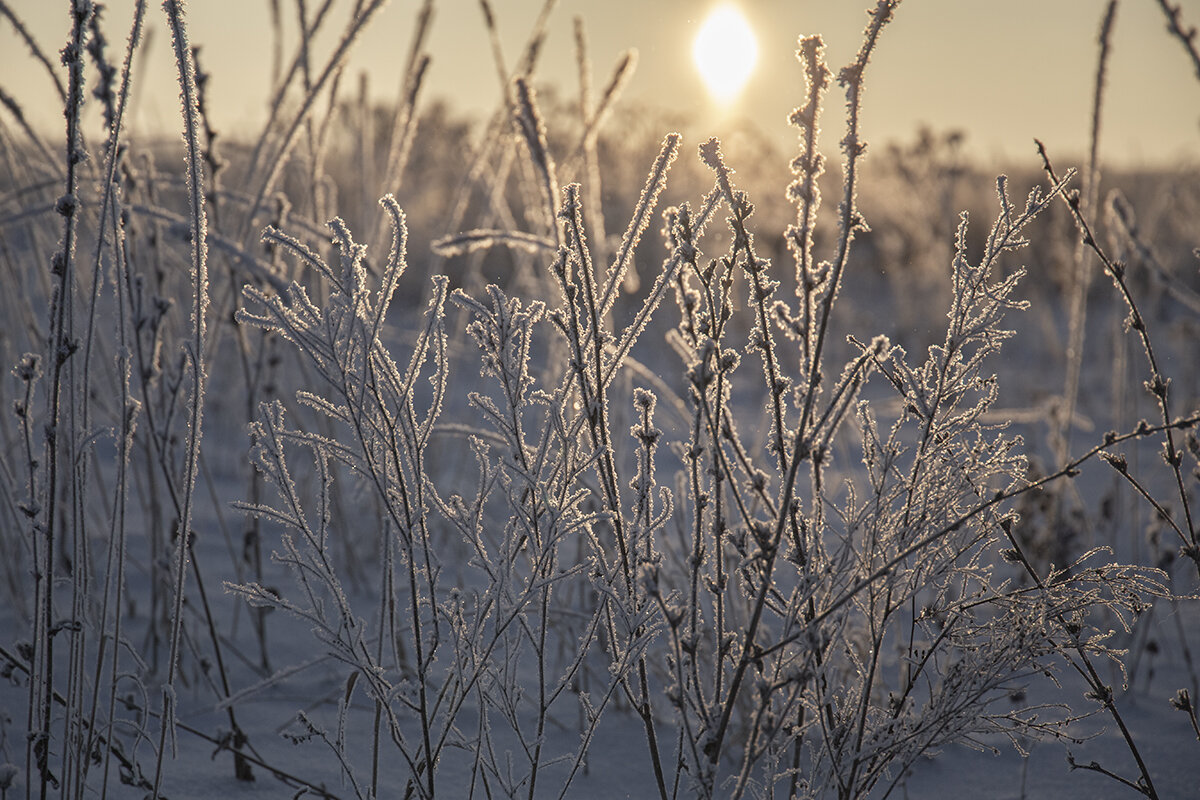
<point>1082,278</point>
<point>332,66</point>
<point>128,408</point>
<point>1184,33</point>
<point>62,345</point>
<point>1158,385</point>
<point>199,225</point>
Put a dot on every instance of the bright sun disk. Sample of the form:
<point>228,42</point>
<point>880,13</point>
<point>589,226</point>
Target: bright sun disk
<point>725,52</point>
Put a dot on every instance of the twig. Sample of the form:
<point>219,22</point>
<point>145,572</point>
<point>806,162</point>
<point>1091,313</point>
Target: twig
<point>1185,34</point>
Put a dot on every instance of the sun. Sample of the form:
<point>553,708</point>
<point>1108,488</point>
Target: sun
<point>725,52</point>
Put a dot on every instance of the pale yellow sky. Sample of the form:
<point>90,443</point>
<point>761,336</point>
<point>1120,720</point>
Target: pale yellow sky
<point>1004,71</point>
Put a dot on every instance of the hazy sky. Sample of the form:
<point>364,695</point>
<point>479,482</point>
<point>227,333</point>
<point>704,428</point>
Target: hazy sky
<point>1004,71</point>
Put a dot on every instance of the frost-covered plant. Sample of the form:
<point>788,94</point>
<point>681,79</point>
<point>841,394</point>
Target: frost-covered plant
<point>493,641</point>
<point>373,398</point>
<point>821,634</point>
<point>881,623</point>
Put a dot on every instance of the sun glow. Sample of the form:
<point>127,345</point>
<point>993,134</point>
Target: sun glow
<point>725,51</point>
